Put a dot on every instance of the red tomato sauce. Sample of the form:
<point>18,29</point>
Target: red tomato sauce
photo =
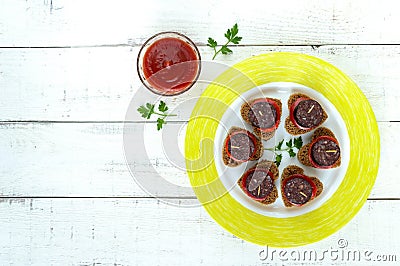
<point>170,65</point>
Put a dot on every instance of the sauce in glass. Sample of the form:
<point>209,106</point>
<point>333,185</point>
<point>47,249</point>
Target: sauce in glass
<point>170,65</point>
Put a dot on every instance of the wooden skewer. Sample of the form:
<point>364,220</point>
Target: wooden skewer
<point>235,147</point>
<point>260,113</point>
<point>303,194</point>
<point>258,192</point>
<point>309,111</point>
<point>331,151</point>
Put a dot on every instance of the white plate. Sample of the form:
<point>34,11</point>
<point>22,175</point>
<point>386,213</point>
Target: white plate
<point>331,178</point>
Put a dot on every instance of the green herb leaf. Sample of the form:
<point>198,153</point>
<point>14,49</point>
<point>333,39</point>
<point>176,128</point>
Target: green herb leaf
<point>160,123</point>
<point>212,43</point>
<point>236,40</point>
<point>162,107</point>
<point>230,35</point>
<point>278,159</point>
<point>291,153</point>
<point>225,50</point>
<point>150,106</point>
<point>234,30</point>
<point>148,109</point>
<point>298,142</point>
<point>279,146</point>
<point>289,143</point>
<point>143,111</point>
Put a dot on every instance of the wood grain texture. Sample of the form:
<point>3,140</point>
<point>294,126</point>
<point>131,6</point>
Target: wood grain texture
<point>65,22</point>
<point>148,232</point>
<point>87,159</point>
<point>97,84</point>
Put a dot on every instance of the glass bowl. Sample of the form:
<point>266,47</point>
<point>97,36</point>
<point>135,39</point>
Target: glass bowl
<point>168,63</point>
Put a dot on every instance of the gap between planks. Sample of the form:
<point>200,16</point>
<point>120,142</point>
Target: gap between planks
<point>313,46</point>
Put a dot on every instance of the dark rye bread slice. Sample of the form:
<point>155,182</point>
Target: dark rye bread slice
<point>233,163</point>
<point>244,111</point>
<point>302,155</point>
<point>271,166</point>
<point>291,128</point>
<point>294,169</point>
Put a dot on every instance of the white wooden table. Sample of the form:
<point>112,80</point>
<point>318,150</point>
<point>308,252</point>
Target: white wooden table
<point>67,75</point>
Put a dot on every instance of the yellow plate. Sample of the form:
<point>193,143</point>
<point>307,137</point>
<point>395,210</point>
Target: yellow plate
<point>362,129</point>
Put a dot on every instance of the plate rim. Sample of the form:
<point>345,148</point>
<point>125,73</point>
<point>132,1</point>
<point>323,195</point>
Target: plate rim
<point>307,228</point>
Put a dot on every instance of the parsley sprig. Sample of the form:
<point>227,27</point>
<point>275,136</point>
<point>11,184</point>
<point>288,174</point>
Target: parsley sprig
<point>149,109</point>
<point>290,145</point>
<point>232,37</point>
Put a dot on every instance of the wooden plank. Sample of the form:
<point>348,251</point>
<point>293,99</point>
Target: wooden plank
<point>97,84</point>
<point>73,22</point>
<point>87,159</point>
<point>148,232</point>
